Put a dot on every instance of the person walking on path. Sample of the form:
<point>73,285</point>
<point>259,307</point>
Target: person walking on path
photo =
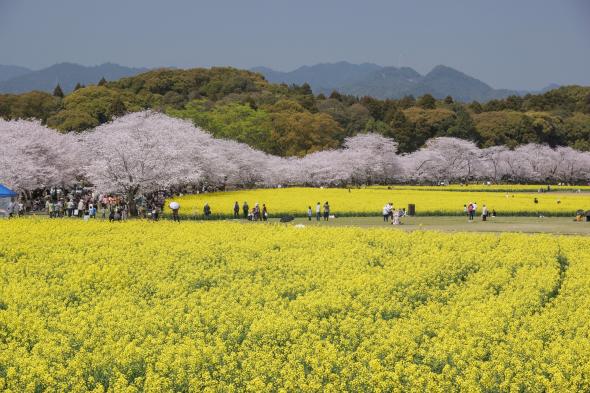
<point>395,217</point>
<point>245,209</point>
<point>318,211</point>
<point>474,209</point>
<point>256,212</point>
<point>264,213</point>
<point>326,211</point>
<point>236,210</point>
<point>484,213</point>
<point>309,213</point>
<point>175,207</point>
<point>470,211</point>
<point>386,213</point>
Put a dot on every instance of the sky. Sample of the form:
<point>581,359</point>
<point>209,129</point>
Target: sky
<point>516,44</point>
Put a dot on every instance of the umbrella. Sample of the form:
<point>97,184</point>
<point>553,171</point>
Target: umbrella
<point>174,205</point>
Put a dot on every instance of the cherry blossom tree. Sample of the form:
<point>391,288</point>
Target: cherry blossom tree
<point>446,159</point>
<point>372,159</point>
<point>33,156</point>
<point>142,152</point>
<point>148,151</point>
<point>573,166</point>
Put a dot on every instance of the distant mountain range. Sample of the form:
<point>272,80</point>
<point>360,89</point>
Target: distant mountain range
<point>8,72</point>
<point>365,79</point>
<point>20,80</point>
<point>390,82</point>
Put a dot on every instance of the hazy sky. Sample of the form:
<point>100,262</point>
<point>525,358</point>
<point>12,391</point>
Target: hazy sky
<point>506,43</point>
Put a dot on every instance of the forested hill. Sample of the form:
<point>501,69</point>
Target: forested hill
<point>291,120</point>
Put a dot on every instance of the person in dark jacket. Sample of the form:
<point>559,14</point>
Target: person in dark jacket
<point>236,210</point>
<point>245,209</point>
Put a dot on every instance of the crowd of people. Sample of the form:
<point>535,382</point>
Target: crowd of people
<point>318,211</point>
<point>470,210</point>
<point>80,203</point>
<point>393,214</point>
<point>84,204</point>
<point>257,213</point>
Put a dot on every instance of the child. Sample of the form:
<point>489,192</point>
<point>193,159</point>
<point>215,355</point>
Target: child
<point>309,213</point>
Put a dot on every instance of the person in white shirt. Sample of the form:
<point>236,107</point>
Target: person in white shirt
<point>386,212</point>
<point>484,213</point>
<point>318,211</point>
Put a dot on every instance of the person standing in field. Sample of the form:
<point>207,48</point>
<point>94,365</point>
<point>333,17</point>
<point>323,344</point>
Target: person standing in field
<point>245,209</point>
<point>70,207</point>
<point>395,217</point>
<point>264,213</point>
<point>386,213</point>
<point>474,209</point>
<point>309,213</point>
<point>318,211</point>
<point>484,213</point>
<point>207,210</point>
<point>470,211</point>
<point>465,212</point>
<point>326,211</point>
<point>236,210</point>
<point>81,208</point>
<point>256,212</point>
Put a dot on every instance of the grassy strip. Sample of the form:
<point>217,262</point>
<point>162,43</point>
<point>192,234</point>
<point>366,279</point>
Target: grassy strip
<point>430,213</point>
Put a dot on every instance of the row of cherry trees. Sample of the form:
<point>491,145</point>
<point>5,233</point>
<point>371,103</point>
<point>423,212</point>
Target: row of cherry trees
<point>148,151</point>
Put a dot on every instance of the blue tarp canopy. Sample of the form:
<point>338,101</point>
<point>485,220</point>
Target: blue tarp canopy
<point>5,192</point>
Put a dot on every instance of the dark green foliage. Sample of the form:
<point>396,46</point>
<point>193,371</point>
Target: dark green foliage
<point>427,101</point>
<point>464,126</point>
<point>58,92</point>
<point>290,120</point>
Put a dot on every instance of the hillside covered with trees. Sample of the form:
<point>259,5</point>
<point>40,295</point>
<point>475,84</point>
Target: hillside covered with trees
<point>291,121</point>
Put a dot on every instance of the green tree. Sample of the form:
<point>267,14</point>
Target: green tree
<point>117,107</point>
<point>402,131</point>
<point>335,95</point>
<point>58,92</point>
<point>78,86</point>
<point>376,107</point>
<point>449,100</point>
<point>301,133</point>
<point>476,107</point>
<point>464,126</point>
<point>102,82</point>
<point>427,101</point>
<point>406,102</point>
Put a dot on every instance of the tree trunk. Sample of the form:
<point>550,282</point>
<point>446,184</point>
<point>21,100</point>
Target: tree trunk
<point>131,194</point>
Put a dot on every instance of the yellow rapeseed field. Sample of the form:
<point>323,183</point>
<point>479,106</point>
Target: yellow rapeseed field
<point>219,306</point>
<point>370,201</point>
